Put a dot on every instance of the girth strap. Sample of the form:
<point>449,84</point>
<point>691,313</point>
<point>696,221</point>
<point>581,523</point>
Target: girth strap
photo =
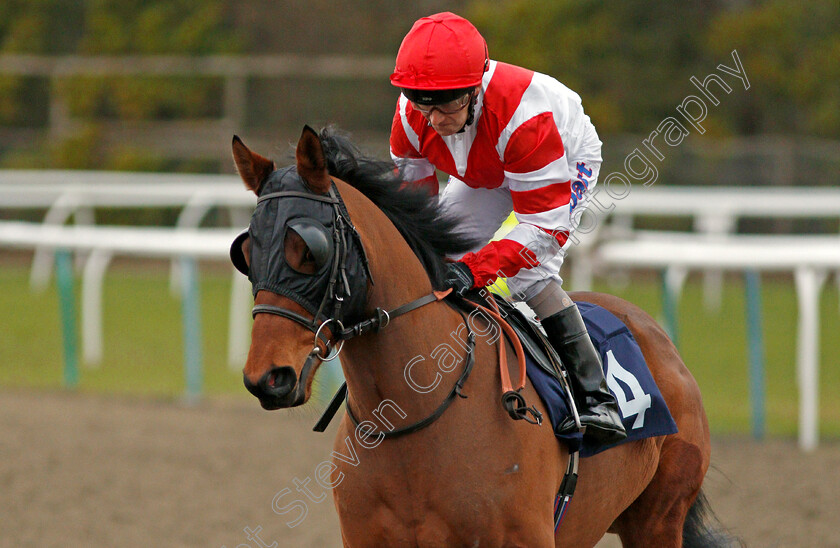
<point>567,489</point>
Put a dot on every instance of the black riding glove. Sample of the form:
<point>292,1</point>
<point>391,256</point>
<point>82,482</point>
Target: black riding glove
<point>459,278</point>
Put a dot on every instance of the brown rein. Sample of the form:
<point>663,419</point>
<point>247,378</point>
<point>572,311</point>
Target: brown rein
<point>512,399</point>
<point>517,346</point>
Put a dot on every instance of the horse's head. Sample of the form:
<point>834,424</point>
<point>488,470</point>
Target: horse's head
<point>306,265</point>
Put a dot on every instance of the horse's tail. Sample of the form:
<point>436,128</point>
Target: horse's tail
<point>702,529</point>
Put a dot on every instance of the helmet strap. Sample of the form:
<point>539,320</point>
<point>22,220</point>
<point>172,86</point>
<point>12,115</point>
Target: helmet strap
<point>471,112</point>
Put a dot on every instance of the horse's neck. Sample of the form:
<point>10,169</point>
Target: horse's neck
<point>411,363</point>
<point>397,363</point>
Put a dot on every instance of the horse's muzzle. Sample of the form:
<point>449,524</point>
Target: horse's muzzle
<point>276,389</point>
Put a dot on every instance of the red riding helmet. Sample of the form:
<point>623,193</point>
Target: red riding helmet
<point>441,52</point>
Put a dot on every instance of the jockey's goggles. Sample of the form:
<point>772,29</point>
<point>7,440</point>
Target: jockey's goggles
<point>425,104</point>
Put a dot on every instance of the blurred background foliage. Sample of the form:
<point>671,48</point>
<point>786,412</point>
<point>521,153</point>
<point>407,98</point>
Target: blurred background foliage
<point>101,27</point>
<point>630,61</point>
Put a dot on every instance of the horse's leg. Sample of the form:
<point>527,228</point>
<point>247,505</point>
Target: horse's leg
<point>656,518</point>
<point>607,484</point>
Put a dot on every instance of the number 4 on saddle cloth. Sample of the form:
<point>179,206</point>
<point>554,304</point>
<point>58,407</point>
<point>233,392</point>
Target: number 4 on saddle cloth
<point>643,410</point>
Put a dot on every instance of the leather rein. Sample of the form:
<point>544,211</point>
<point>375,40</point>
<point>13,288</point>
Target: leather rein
<point>512,399</point>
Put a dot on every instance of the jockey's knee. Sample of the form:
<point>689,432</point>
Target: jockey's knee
<point>550,300</point>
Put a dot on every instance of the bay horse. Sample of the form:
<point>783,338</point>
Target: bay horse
<point>473,476</point>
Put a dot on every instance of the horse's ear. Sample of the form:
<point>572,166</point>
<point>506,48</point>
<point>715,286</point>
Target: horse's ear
<point>311,163</point>
<point>253,168</point>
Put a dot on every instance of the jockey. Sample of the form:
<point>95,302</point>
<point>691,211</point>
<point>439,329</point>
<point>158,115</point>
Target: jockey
<point>510,139</point>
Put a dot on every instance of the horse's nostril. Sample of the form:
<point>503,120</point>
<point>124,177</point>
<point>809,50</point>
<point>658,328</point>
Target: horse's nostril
<point>280,377</point>
<point>277,382</point>
<point>274,386</point>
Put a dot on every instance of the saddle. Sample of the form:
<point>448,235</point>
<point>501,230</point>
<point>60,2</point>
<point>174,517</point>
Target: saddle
<point>533,340</point>
<point>644,411</point>
<point>546,372</point>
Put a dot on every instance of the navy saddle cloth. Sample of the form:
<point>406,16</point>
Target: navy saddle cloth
<point>643,409</point>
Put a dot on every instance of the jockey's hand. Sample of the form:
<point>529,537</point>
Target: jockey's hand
<point>459,277</point>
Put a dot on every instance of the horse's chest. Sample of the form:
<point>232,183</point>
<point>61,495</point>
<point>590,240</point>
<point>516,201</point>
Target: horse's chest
<point>439,511</point>
<point>388,526</point>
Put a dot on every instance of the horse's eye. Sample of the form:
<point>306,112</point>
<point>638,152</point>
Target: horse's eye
<point>318,245</point>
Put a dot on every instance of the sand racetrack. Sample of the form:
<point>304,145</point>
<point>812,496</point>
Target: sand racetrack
<point>81,470</point>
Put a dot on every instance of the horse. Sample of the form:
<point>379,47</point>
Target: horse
<point>464,474</point>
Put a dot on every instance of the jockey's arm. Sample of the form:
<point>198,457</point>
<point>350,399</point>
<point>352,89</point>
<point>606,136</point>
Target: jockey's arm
<point>417,171</point>
<point>539,179</point>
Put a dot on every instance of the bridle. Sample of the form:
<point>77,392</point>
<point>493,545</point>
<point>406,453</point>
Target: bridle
<point>338,286</point>
<point>338,289</point>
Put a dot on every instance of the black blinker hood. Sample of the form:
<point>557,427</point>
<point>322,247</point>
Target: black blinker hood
<point>339,285</point>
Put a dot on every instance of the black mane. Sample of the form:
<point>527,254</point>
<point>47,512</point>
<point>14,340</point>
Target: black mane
<point>430,233</point>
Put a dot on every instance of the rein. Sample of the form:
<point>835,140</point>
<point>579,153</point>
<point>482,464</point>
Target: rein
<point>469,362</point>
<point>512,399</point>
<point>338,288</point>
<point>381,319</point>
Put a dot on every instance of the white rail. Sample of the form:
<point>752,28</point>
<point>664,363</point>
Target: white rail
<point>102,243</point>
<point>809,258</point>
<point>74,194</point>
<point>713,210</point>
<point>67,195</point>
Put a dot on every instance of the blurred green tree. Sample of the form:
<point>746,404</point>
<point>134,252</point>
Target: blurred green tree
<point>791,51</point>
<point>105,27</point>
<point>33,26</point>
<point>631,60</point>
<point>151,27</point>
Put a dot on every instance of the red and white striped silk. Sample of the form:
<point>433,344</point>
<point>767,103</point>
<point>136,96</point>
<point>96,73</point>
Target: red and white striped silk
<point>515,141</point>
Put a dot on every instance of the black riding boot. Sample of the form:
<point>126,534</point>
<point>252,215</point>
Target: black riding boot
<point>596,406</point>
